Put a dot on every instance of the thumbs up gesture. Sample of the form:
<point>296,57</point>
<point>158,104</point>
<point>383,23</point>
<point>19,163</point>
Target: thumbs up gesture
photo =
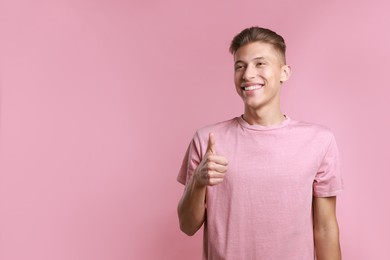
<point>211,170</point>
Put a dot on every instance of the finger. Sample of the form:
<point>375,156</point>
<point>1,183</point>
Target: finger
<point>215,181</point>
<point>211,143</point>
<point>218,159</point>
<point>214,175</point>
<point>220,168</point>
<point>211,166</point>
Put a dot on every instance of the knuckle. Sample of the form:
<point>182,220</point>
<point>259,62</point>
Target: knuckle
<point>215,182</point>
<point>209,165</point>
<point>212,182</point>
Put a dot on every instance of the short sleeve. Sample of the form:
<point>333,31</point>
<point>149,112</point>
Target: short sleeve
<point>328,181</point>
<point>191,160</point>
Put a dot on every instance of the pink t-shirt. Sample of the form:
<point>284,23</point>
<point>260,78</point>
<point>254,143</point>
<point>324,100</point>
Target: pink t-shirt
<point>263,209</point>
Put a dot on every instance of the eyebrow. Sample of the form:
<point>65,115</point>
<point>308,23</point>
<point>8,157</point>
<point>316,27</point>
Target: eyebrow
<point>259,58</point>
<point>256,58</point>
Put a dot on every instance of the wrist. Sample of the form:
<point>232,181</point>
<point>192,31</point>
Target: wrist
<point>197,182</point>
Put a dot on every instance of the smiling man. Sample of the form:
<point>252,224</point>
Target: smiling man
<point>263,185</point>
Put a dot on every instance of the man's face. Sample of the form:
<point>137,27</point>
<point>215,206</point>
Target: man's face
<point>259,72</point>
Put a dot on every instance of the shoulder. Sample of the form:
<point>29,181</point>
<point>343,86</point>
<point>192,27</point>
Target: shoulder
<point>312,130</point>
<point>220,129</point>
<point>310,127</point>
<point>216,128</point>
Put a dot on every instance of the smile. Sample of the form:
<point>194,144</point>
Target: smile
<point>252,87</point>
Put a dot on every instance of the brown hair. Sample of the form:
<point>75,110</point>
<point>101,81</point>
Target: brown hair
<point>254,34</point>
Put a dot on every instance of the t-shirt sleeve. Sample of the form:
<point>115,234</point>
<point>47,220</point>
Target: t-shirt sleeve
<point>191,160</point>
<point>328,181</point>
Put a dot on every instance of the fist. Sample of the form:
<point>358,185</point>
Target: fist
<point>211,170</point>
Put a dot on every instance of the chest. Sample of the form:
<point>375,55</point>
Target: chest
<point>269,161</point>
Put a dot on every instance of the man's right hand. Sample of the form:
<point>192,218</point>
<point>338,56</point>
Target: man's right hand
<point>211,170</point>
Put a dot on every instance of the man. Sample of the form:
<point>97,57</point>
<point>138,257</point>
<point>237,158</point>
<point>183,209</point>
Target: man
<point>262,184</point>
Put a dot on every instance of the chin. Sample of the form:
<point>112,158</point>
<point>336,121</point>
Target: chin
<point>253,105</point>
<point>253,101</point>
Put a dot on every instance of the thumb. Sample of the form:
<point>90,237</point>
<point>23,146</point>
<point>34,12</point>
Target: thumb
<point>211,144</point>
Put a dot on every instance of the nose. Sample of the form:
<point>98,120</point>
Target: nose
<point>249,73</point>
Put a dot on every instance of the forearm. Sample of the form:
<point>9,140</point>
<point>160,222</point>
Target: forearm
<point>327,243</point>
<point>191,208</point>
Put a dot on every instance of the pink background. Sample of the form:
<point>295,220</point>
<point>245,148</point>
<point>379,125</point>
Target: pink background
<point>99,100</point>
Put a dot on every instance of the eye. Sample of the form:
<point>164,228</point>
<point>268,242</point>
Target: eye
<point>238,67</point>
<point>259,64</point>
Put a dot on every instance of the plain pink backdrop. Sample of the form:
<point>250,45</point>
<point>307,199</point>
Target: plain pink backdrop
<point>99,100</point>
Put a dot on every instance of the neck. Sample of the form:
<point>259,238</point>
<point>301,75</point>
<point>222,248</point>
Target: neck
<point>263,116</point>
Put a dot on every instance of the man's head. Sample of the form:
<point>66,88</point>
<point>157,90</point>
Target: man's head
<point>254,34</point>
<point>259,67</point>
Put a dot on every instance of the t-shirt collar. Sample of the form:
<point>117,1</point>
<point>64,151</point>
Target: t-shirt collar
<point>245,124</point>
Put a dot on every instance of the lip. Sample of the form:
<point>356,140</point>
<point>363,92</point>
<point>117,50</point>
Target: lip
<point>249,84</point>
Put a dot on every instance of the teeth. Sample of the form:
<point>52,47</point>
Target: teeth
<point>253,87</point>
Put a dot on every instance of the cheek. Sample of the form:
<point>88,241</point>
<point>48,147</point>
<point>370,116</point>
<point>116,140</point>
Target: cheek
<point>237,83</point>
<point>239,92</point>
<point>237,77</point>
<point>265,72</point>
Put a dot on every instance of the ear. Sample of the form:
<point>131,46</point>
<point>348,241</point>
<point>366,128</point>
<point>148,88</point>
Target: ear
<point>286,71</point>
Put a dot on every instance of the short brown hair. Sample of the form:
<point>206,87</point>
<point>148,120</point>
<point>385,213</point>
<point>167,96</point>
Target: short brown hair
<point>254,34</point>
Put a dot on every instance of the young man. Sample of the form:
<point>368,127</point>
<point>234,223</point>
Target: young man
<point>263,185</point>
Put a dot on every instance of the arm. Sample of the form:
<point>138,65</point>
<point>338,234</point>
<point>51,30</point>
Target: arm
<point>192,209</point>
<point>326,231</point>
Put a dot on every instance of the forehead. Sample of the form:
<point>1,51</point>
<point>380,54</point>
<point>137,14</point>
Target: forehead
<point>254,50</point>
